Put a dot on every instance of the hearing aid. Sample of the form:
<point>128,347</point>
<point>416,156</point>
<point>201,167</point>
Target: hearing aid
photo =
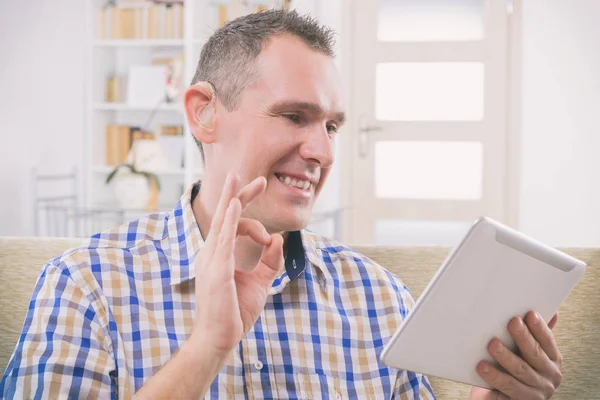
<point>206,115</point>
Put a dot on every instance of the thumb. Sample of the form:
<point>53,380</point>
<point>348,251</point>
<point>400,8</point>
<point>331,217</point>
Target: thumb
<point>271,261</point>
<point>478,393</point>
<point>553,321</point>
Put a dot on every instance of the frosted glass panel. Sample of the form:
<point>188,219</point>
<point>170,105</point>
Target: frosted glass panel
<point>428,170</point>
<point>420,233</point>
<point>430,20</point>
<point>429,91</point>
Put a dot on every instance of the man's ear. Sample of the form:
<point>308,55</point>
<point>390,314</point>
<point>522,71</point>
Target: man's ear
<point>200,107</point>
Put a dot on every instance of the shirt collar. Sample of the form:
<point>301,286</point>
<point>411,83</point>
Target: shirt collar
<point>312,250</point>
<point>185,240</point>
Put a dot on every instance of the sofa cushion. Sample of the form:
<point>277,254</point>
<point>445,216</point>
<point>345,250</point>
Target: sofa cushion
<point>577,332</point>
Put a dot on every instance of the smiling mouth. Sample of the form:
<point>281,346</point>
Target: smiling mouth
<point>293,182</point>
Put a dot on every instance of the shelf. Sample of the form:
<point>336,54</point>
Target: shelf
<point>105,169</point>
<point>139,43</point>
<point>126,107</point>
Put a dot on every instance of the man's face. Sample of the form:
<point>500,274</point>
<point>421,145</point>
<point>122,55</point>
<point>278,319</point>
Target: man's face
<point>283,129</point>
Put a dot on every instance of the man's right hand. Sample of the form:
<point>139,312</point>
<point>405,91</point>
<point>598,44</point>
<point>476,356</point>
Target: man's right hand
<point>229,301</point>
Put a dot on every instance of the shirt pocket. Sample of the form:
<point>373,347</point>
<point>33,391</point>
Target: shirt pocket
<point>321,386</point>
<point>311,386</point>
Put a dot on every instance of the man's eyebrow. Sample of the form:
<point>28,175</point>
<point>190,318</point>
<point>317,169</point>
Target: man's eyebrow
<point>307,106</point>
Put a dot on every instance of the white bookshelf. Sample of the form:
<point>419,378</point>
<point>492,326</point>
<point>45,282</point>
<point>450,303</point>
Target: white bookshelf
<point>105,57</point>
<point>103,106</point>
<point>106,169</point>
<point>139,43</point>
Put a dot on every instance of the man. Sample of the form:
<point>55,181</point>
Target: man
<point>228,296</point>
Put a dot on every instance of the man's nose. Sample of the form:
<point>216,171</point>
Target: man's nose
<point>318,147</point>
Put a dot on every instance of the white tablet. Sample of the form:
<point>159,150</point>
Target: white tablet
<point>494,274</point>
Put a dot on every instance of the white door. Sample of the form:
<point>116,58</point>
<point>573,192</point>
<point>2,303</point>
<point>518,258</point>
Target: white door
<point>429,90</point>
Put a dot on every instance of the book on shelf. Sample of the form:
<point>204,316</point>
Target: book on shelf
<point>169,34</point>
<point>151,20</point>
<point>117,144</point>
<point>171,130</point>
<point>136,133</point>
<point>113,89</point>
<point>121,139</point>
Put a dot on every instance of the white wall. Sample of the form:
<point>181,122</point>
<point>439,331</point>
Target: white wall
<point>41,98</point>
<point>41,110</point>
<point>560,133</point>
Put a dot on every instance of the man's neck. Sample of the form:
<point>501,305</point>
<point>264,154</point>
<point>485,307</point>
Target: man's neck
<point>247,252</point>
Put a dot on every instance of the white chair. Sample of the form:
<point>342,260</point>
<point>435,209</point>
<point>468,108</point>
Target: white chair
<point>58,211</point>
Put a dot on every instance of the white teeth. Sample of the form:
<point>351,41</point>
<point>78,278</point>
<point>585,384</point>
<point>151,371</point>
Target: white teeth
<point>295,182</point>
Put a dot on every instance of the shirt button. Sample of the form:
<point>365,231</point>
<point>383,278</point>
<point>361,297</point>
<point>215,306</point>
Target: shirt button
<point>258,365</point>
<point>338,396</point>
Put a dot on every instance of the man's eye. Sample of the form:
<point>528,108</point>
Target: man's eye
<point>332,129</point>
<point>292,117</point>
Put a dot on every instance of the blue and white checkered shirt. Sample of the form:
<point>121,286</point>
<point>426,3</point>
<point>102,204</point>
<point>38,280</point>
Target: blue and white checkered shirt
<point>106,316</point>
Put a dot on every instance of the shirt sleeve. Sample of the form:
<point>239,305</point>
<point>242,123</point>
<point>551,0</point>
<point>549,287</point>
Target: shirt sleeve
<point>62,351</point>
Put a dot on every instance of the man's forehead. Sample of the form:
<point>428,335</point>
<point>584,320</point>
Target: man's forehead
<point>289,72</point>
<point>291,59</point>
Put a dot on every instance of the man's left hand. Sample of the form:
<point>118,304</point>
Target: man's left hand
<point>533,374</point>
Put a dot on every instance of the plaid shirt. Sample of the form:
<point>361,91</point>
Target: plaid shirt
<point>106,316</point>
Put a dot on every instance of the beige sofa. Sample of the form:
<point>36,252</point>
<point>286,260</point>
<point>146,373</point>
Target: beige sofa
<point>578,331</point>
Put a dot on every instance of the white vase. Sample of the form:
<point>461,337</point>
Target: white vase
<point>132,190</point>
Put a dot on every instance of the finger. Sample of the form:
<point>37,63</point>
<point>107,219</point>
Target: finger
<point>483,394</point>
<point>543,335</point>
<point>531,350</point>
<point>251,190</point>
<point>506,384</point>
<point>217,220</point>
<point>226,240</point>
<point>553,321</point>
<point>514,364</point>
<point>227,194</point>
<point>271,261</point>
<point>254,229</point>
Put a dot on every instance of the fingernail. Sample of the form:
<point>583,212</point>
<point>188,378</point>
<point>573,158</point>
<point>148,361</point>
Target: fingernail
<point>267,236</point>
<point>485,368</point>
<point>520,326</point>
<point>536,318</point>
<point>498,347</point>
